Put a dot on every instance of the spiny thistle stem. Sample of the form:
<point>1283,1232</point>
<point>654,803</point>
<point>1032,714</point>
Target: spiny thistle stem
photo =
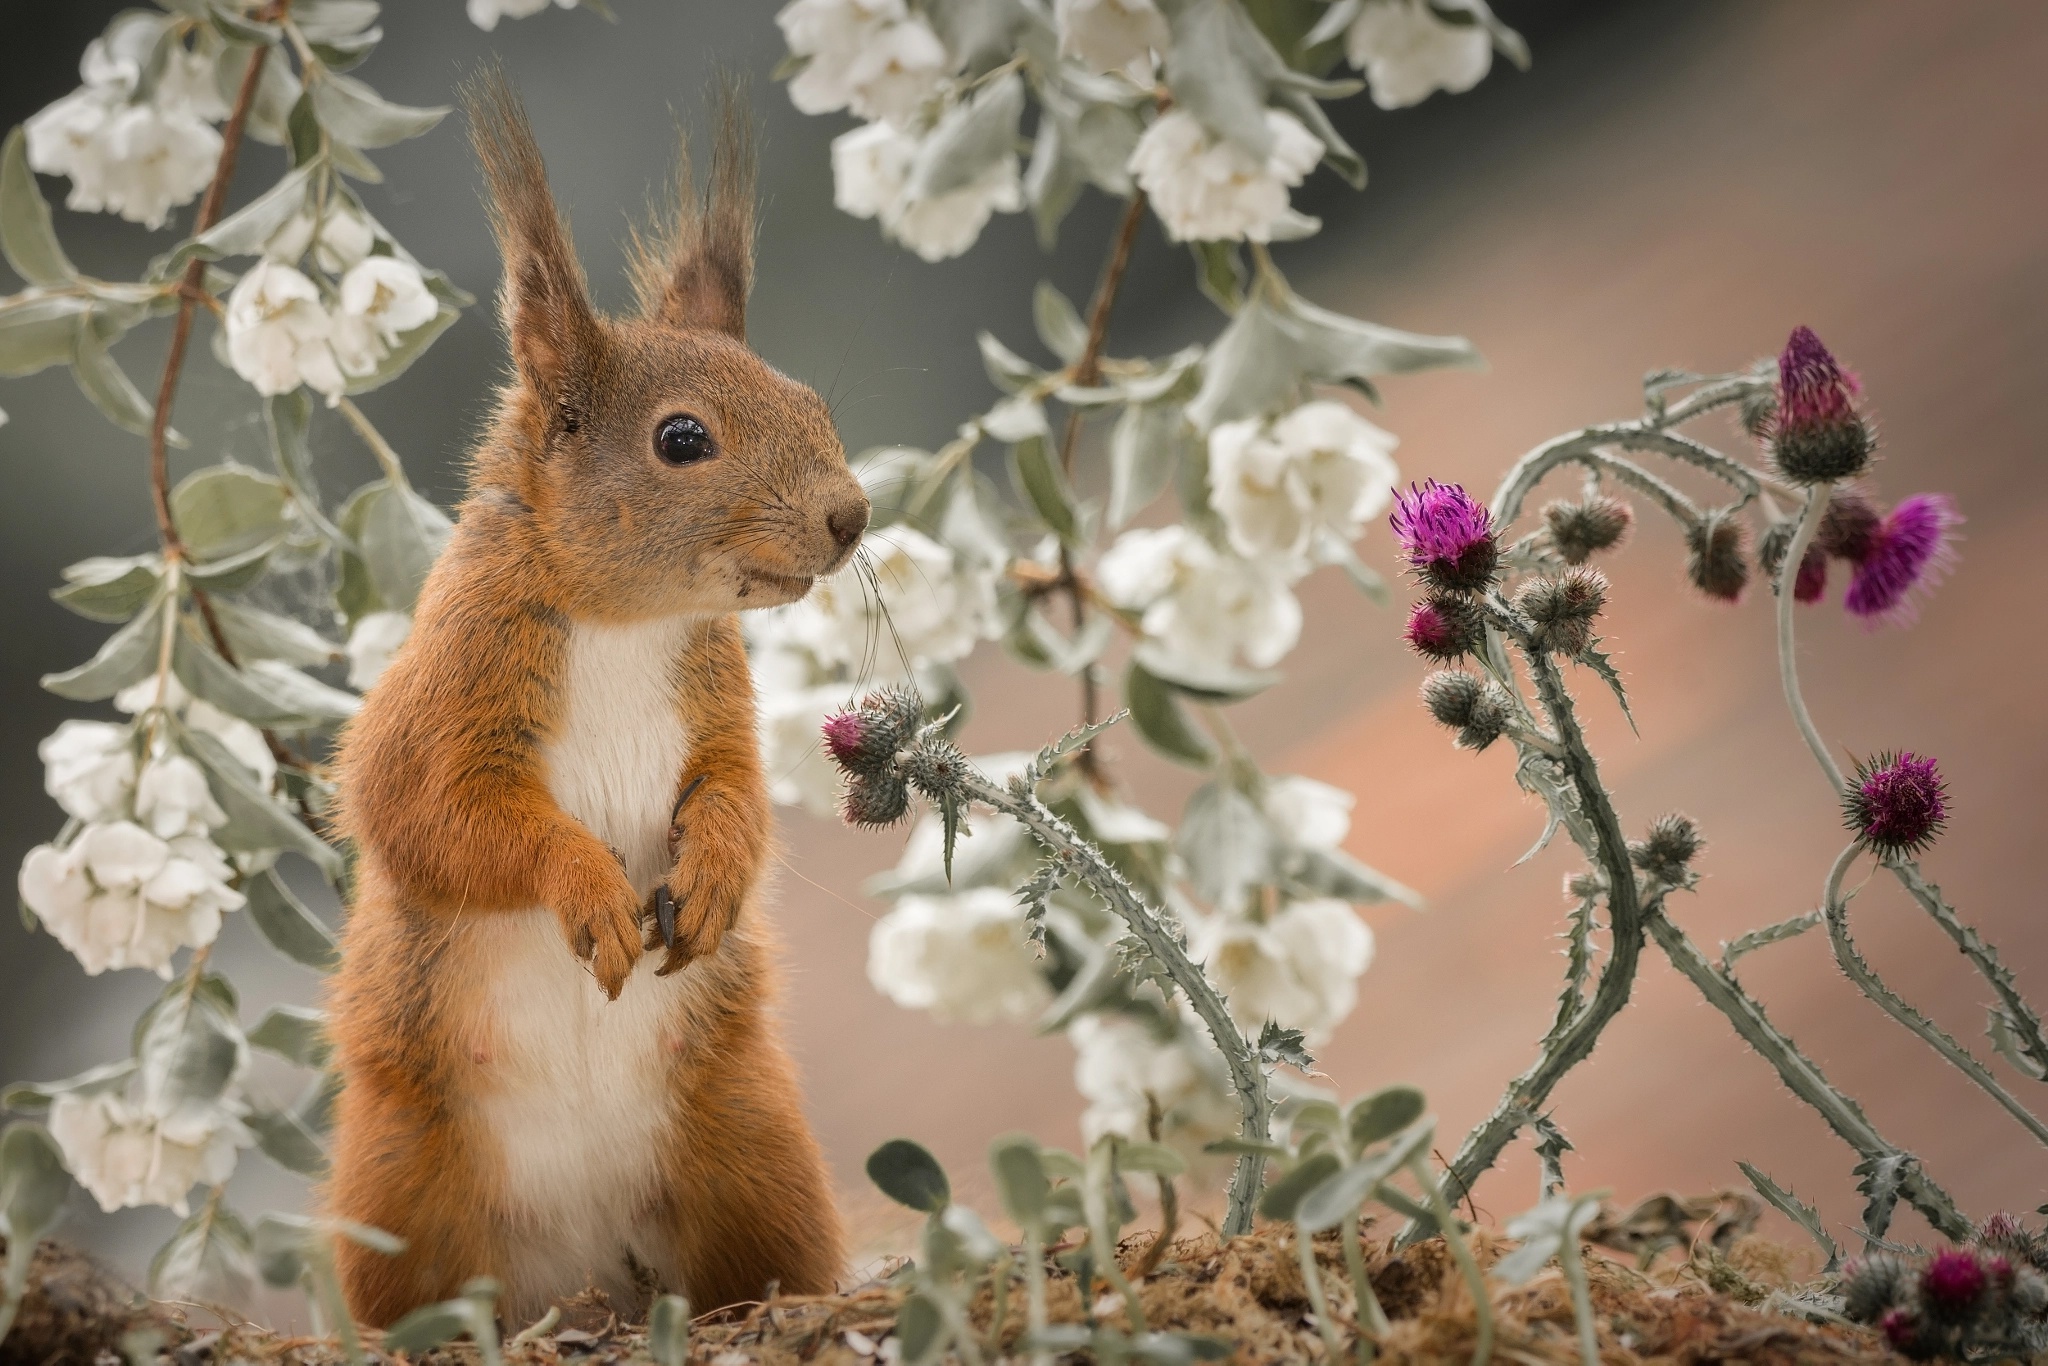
<point>2020,1017</point>
<point>1859,971</point>
<point>1081,859</point>
<point>1788,663</point>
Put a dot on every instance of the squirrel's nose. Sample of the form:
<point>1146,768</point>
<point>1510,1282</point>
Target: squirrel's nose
<point>847,521</point>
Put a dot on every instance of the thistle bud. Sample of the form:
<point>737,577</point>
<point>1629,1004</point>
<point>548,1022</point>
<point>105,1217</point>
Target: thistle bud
<point>1870,1285</point>
<point>1850,524</point>
<point>1668,851</point>
<point>1562,609</point>
<point>875,799</point>
<point>2003,1233</point>
<point>1810,584</point>
<point>1952,1282</point>
<point>1902,1329</point>
<point>864,739</point>
<point>1816,437</point>
<point>1896,804</point>
<point>1445,627</point>
<point>1446,536</point>
<point>1580,531</point>
<point>1477,710</point>
<point>936,768</point>
<point>1716,564</point>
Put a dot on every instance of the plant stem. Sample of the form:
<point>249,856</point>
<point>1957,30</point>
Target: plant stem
<point>1788,665</point>
<point>2025,1024</point>
<point>1859,971</point>
<point>1318,1303</point>
<point>1095,1199</point>
<point>1034,1293</point>
<point>387,459</point>
<point>1573,1264</point>
<point>1804,1078</point>
<point>1447,1222</point>
<point>1163,941</point>
<point>1372,1320</point>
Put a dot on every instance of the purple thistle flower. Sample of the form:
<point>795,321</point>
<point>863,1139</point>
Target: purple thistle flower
<point>1443,627</point>
<point>1901,1329</point>
<point>1447,537</point>
<point>846,736</point>
<point>1951,1282</point>
<point>1896,803</point>
<point>1817,436</point>
<point>1908,553</point>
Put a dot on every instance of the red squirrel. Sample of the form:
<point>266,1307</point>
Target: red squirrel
<point>554,1015</point>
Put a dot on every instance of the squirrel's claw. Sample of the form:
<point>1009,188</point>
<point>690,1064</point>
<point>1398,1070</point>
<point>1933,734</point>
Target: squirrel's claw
<point>665,915</point>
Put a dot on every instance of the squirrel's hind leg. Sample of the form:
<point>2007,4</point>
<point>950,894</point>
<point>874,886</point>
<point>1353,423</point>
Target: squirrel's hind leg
<point>750,1202</point>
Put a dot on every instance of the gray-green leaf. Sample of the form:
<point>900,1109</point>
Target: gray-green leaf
<point>26,231</point>
<point>126,657</point>
<point>360,117</point>
<point>109,588</point>
<point>970,137</point>
<point>910,1175</point>
<point>284,920</point>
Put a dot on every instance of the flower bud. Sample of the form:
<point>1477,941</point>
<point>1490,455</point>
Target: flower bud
<point>864,739</point>
<point>1477,710</point>
<point>1582,530</point>
<point>1871,1284</point>
<point>936,768</point>
<point>875,799</point>
<point>1810,584</point>
<point>2005,1234</point>
<point>1446,536</point>
<point>1895,803</point>
<point>1445,627</point>
<point>1584,885</point>
<point>1716,565</point>
<point>1952,1282</point>
<point>1668,851</point>
<point>1849,525</point>
<point>1816,437</point>
<point>1902,1331</point>
<point>1562,609</point>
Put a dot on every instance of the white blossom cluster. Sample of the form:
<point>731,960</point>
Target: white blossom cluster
<point>139,158</point>
<point>127,1153</point>
<point>485,14</point>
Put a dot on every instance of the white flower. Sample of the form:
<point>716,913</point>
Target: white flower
<point>279,333</point>
<point>137,160</point>
<point>1207,189</point>
<point>961,957</point>
<point>126,1157</point>
<point>172,799</point>
<point>89,768</point>
<point>871,56</point>
<point>1406,52</point>
<point>916,605</point>
<point>1109,35</point>
<point>800,772</point>
<point>1307,814</point>
<point>380,299</point>
<point>120,897</point>
<point>1300,968</point>
<point>485,14</point>
<point>373,644</point>
<point>1201,604</point>
<point>1123,1070</point>
<point>1282,486</point>
<point>871,175</point>
<point>343,238</point>
<point>241,740</point>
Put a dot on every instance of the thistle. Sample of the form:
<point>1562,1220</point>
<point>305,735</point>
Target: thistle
<point>1952,1282</point>
<point>1907,553</point>
<point>1816,435</point>
<point>1716,564</point>
<point>1447,537</point>
<point>1668,851</point>
<point>1478,711</point>
<point>1562,609</point>
<point>1581,530</point>
<point>864,739</point>
<point>1849,525</point>
<point>1810,584</point>
<point>1444,627</point>
<point>1896,804</point>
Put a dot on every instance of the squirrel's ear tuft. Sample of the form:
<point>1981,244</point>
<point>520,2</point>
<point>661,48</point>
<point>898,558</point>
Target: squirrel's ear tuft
<point>695,266</point>
<point>544,302</point>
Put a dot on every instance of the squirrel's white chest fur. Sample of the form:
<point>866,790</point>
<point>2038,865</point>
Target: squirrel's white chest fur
<point>575,1094</point>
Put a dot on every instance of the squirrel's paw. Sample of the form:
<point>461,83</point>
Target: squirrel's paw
<point>691,910</point>
<point>600,913</point>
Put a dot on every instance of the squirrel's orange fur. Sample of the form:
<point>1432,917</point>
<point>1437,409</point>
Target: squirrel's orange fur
<point>508,1110</point>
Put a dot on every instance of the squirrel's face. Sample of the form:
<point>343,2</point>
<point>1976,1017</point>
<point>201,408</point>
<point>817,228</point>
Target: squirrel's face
<point>666,467</point>
<point>697,478</point>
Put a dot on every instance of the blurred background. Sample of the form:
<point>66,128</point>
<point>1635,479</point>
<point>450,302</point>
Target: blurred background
<point>1676,182</point>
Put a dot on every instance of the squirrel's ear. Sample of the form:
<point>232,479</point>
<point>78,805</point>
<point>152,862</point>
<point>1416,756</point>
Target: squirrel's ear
<point>543,302</point>
<point>696,266</point>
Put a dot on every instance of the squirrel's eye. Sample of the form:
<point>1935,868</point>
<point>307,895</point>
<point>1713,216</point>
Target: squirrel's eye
<point>682,440</point>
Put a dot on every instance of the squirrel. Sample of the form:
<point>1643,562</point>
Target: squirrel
<point>554,1014</point>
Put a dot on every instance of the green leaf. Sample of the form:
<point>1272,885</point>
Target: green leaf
<point>263,693</point>
<point>1159,719</point>
<point>284,921</point>
<point>287,1142</point>
<point>1145,448</point>
<point>668,1331</point>
<point>1225,843</point>
<point>1218,77</point>
<point>208,1256</point>
<point>1202,680</point>
<point>233,573</point>
<point>277,90</point>
<point>256,634</point>
<point>969,138</point>
<point>34,1098</point>
<point>191,1051</point>
<point>256,823</point>
<point>243,232</point>
<point>111,589</point>
<point>38,330</point>
<point>400,535</point>
<point>237,27</point>
<point>1382,1114</point>
<point>127,656</point>
<point>33,1184</point>
<point>329,21</point>
<point>1020,1178</point>
<point>1155,1158</point>
<point>1059,326</point>
<point>910,1175</point>
<point>1795,1209</point>
<point>280,1242</point>
<point>409,347</point>
<point>1039,480</point>
<point>1332,872</point>
<point>1219,271</point>
<point>1052,181</point>
<point>428,1326</point>
<point>360,117</point>
<point>225,510</point>
<point>1283,1196</point>
<point>100,378</point>
<point>27,234</point>
<point>296,1033</point>
<point>920,1328</point>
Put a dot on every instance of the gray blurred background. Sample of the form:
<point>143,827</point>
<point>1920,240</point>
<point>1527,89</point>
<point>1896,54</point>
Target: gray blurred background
<point>1674,183</point>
